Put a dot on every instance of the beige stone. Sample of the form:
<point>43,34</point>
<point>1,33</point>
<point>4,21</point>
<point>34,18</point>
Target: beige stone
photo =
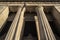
<point>4,11</point>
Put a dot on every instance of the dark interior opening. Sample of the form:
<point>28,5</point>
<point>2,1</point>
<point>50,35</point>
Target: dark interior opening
<point>53,23</point>
<point>30,31</point>
<point>5,28</point>
<point>7,25</point>
<point>30,28</point>
<point>10,13</point>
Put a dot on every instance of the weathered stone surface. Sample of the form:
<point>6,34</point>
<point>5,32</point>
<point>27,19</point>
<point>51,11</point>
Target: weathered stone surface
<point>30,0</point>
<point>13,8</point>
<point>56,13</point>
<point>13,26</point>
<point>4,11</point>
